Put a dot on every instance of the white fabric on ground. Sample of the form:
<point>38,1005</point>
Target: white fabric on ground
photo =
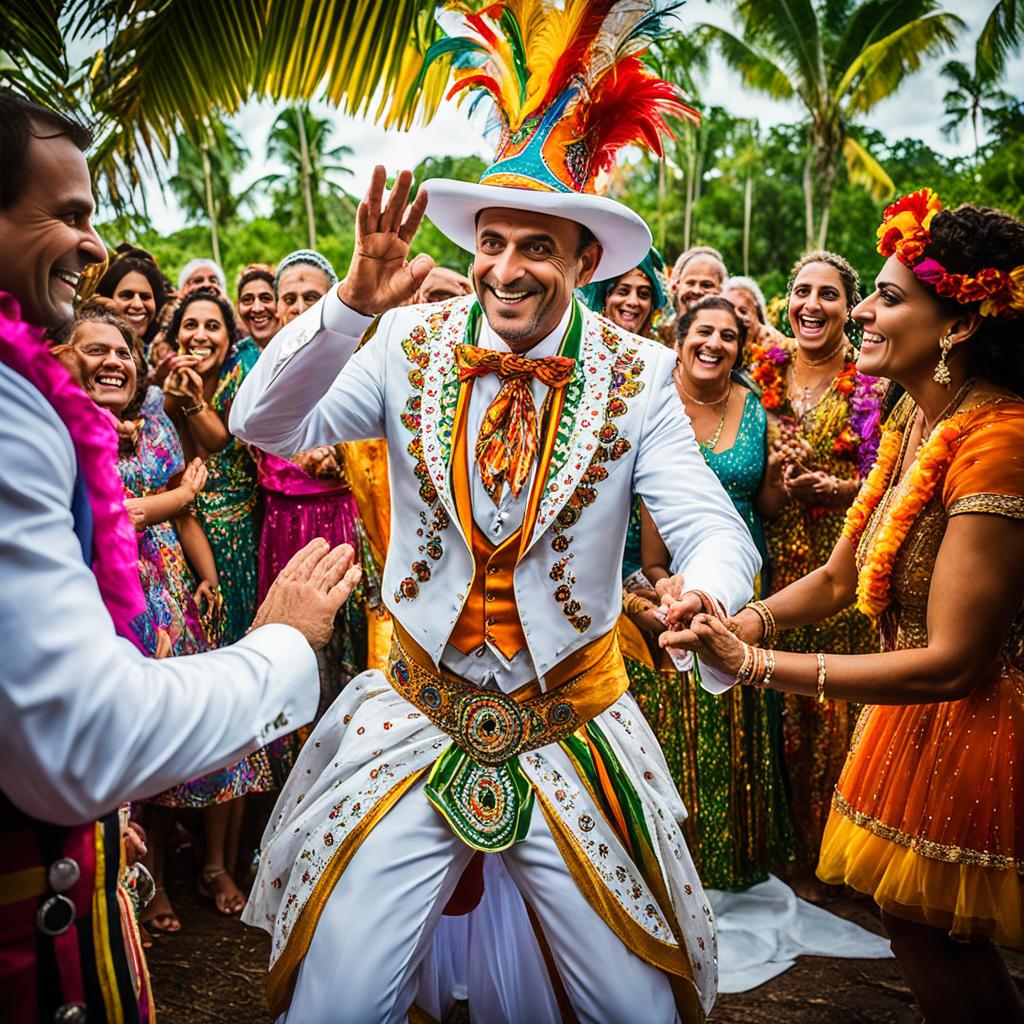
<point>762,931</point>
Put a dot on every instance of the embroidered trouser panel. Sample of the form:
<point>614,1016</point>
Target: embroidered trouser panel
<point>364,962</point>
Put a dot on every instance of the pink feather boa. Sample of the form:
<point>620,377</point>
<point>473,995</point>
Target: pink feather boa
<point>115,561</point>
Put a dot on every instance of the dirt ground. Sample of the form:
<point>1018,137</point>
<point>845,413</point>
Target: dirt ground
<point>213,972</point>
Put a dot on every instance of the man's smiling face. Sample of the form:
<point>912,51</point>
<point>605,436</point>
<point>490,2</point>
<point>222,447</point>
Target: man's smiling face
<point>526,267</point>
<point>46,238</point>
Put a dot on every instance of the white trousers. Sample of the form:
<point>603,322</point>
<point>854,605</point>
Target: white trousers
<point>377,928</point>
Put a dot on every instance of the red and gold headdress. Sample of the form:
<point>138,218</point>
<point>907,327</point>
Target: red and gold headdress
<point>570,91</point>
<point>905,232</point>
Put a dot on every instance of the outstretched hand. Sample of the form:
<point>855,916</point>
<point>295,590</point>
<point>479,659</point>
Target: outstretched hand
<point>379,276</point>
<point>310,589</point>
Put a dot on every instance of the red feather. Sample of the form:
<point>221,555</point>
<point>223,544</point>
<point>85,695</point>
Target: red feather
<point>477,21</point>
<point>629,107</point>
<point>477,82</point>
<point>574,58</point>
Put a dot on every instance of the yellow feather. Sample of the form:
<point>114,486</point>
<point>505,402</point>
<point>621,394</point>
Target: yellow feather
<point>550,37</point>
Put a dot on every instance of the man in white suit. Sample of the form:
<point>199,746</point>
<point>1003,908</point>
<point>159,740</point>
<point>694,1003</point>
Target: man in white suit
<point>519,427</point>
<point>86,721</point>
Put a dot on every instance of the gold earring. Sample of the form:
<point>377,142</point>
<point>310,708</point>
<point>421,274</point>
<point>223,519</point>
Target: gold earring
<point>941,374</point>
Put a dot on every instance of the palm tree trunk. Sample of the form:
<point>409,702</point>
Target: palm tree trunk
<point>808,200</point>
<point>662,188</point>
<point>307,193</point>
<point>748,205</point>
<point>688,212</point>
<point>211,210</point>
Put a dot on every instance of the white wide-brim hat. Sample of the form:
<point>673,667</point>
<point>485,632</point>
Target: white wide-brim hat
<point>625,238</point>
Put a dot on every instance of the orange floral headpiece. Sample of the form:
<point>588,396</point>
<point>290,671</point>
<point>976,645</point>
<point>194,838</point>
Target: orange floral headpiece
<point>905,232</point>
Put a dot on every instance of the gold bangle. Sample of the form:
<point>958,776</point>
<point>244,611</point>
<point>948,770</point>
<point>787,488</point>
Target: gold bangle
<point>748,664</point>
<point>769,658</point>
<point>821,677</point>
<point>769,632</point>
<point>194,410</point>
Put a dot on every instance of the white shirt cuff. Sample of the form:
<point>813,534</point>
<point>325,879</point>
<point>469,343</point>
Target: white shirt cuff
<point>339,318</point>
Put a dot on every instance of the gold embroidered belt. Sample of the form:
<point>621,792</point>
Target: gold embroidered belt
<point>493,727</point>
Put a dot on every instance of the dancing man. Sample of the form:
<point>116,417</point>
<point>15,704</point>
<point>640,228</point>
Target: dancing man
<point>518,427</point>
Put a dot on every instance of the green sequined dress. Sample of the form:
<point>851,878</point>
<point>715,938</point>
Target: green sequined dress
<point>229,506</point>
<point>725,752</point>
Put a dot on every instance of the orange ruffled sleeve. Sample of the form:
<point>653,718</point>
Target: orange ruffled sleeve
<point>987,470</point>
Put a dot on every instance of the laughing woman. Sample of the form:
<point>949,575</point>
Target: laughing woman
<point>927,816</point>
<point>824,425</point>
<point>198,392</point>
<point>725,752</point>
<point>632,300</point>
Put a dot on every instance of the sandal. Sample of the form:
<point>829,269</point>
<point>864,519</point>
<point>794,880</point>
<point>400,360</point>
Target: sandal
<point>160,922</point>
<point>216,884</point>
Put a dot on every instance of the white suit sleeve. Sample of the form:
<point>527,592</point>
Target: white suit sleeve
<point>311,387</point>
<point>709,542</point>
<point>85,720</point>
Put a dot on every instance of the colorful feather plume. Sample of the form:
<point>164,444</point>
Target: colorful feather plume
<point>526,54</point>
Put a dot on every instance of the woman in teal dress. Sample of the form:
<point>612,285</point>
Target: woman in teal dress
<point>202,383</point>
<point>725,752</point>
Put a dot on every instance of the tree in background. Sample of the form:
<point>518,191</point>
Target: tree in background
<point>974,98</point>
<point>203,177</point>
<point>839,58</point>
<point>428,239</point>
<point>308,192</point>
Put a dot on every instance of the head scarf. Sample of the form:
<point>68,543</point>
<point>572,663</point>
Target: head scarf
<point>193,265</point>
<point>652,267</point>
<point>311,258</point>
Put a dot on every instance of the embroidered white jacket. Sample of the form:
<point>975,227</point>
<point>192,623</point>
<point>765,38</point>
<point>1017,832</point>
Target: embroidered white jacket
<point>623,431</point>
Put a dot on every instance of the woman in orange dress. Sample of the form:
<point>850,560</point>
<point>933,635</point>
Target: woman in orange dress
<point>928,815</point>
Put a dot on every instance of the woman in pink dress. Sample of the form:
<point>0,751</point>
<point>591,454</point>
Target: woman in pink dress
<point>308,496</point>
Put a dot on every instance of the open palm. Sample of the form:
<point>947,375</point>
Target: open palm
<point>380,275</point>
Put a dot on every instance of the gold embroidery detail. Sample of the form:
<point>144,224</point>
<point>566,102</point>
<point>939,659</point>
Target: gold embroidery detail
<point>1009,505</point>
<point>926,847</point>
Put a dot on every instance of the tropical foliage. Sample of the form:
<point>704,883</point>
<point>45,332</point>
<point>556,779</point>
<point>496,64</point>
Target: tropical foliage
<point>840,59</point>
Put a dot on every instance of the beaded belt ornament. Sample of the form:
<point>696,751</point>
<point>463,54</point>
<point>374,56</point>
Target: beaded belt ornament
<point>477,783</point>
<point>490,726</point>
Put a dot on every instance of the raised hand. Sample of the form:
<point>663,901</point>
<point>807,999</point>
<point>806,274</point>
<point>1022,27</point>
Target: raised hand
<point>379,276</point>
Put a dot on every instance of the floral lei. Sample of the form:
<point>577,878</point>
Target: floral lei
<point>875,577</point>
<point>905,232</point>
<point>854,440</point>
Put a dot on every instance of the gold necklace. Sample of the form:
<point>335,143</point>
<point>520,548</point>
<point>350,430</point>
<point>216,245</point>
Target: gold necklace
<point>695,400</point>
<point>710,444</point>
<point>801,358</point>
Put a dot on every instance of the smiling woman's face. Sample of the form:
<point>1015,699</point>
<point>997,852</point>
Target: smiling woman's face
<point>708,352</point>
<point>203,334</point>
<point>903,324</point>
<point>629,301</point>
<point>818,309</point>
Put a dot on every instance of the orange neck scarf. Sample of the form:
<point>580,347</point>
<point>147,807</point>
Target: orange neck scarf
<point>507,446</point>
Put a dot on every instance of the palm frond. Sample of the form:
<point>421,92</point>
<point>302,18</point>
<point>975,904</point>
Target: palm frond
<point>1000,38</point>
<point>787,31</point>
<point>756,69</point>
<point>30,33</point>
<point>880,69</point>
<point>865,170</point>
<point>870,22</point>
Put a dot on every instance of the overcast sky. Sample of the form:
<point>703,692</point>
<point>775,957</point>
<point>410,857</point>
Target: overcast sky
<point>916,110</point>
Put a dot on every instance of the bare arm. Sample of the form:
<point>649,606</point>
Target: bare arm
<point>818,596</point>
<point>771,496</point>
<point>978,572</point>
<point>167,504</point>
<point>197,548</point>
